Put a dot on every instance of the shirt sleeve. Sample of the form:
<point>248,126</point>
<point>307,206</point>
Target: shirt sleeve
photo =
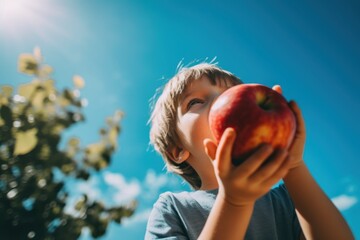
<point>164,222</point>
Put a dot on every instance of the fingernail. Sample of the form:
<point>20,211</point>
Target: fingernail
<point>230,131</point>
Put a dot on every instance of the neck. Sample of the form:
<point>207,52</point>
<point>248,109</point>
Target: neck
<point>205,170</point>
<point>209,182</point>
<point>209,186</point>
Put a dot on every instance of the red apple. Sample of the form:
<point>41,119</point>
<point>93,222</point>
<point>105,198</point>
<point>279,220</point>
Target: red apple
<point>258,114</point>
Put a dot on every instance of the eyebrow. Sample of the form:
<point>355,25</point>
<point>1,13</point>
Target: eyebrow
<point>184,96</point>
<point>187,93</point>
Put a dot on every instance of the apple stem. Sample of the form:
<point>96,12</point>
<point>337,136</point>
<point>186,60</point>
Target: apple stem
<point>266,104</point>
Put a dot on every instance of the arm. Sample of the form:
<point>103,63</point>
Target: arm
<point>319,218</point>
<point>239,186</point>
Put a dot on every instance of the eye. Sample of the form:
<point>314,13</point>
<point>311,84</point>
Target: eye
<point>193,102</point>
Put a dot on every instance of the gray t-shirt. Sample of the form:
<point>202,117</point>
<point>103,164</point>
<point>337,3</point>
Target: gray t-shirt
<point>183,216</point>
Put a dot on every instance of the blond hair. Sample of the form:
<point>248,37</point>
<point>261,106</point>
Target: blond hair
<point>163,131</point>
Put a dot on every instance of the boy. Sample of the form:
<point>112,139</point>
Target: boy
<point>231,202</point>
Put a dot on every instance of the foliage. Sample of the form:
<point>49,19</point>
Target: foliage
<point>32,196</point>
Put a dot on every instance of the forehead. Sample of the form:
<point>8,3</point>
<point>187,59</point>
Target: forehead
<point>189,84</point>
<point>176,87</point>
<point>196,84</point>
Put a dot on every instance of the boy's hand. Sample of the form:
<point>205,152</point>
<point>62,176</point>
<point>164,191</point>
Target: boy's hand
<point>296,149</point>
<point>244,184</point>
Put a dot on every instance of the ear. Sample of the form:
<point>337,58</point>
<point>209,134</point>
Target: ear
<point>179,155</point>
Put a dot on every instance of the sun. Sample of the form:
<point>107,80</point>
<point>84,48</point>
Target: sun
<point>13,11</point>
<point>19,18</point>
<point>16,16</point>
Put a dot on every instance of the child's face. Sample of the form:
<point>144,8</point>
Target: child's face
<point>193,112</point>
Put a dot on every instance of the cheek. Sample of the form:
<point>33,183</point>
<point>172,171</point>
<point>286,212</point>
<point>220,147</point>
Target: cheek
<point>194,128</point>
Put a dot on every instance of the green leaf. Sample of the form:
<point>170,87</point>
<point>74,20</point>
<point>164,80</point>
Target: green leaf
<point>68,168</point>
<point>27,64</point>
<point>6,115</point>
<point>45,152</point>
<point>78,81</point>
<point>113,135</point>
<point>32,122</point>
<point>81,203</point>
<point>57,129</point>
<point>7,91</point>
<point>38,100</point>
<point>48,85</point>
<point>2,122</point>
<point>72,147</point>
<point>94,151</point>
<point>26,90</point>
<point>45,71</point>
<point>25,141</point>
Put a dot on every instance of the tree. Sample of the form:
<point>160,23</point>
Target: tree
<point>32,197</point>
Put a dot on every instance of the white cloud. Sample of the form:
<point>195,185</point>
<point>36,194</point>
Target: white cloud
<point>152,186</point>
<point>344,202</point>
<point>90,188</point>
<point>137,218</point>
<point>122,191</point>
<point>125,191</point>
<point>119,192</point>
<point>154,182</point>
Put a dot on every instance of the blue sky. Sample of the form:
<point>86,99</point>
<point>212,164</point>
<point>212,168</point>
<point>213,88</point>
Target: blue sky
<point>126,49</point>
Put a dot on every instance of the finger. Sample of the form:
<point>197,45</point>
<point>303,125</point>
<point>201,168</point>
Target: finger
<point>277,88</point>
<point>299,117</point>
<point>281,172</point>
<point>250,165</point>
<point>223,153</point>
<point>268,169</point>
<point>210,148</point>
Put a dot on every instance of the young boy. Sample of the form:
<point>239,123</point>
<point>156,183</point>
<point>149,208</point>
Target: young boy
<point>231,202</point>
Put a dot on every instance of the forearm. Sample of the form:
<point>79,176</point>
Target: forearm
<point>227,221</point>
<point>318,216</point>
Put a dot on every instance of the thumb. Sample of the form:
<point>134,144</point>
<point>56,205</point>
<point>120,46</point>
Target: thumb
<point>277,88</point>
<point>210,148</point>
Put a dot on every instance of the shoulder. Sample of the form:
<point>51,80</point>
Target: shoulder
<point>186,199</point>
<point>164,220</point>
<point>179,214</point>
<point>168,200</point>
<point>166,205</point>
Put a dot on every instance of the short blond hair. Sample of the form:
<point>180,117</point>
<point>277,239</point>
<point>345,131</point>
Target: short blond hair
<point>163,120</point>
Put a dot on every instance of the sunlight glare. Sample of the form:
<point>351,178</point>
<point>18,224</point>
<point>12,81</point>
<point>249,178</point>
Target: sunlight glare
<point>12,11</point>
<point>19,18</point>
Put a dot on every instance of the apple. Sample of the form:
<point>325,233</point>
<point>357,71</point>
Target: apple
<point>258,114</point>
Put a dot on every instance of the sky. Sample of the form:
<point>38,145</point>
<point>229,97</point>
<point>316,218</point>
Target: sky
<point>126,49</point>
